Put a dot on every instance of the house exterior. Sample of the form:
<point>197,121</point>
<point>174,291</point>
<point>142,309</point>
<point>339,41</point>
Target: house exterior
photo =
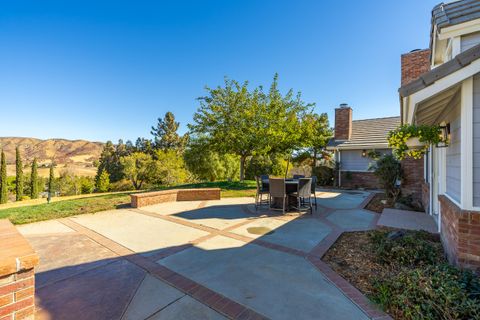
<point>353,141</point>
<point>441,86</point>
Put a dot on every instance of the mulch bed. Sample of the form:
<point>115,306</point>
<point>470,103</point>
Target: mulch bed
<point>353,258</point>
<point>376,204</point>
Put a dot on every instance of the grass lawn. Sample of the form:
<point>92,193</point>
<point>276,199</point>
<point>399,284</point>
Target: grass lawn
<point>66,208</point>
<point>92,204</point>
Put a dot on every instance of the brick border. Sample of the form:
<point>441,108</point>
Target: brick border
<point>210,298</point>
<point>218,302</point>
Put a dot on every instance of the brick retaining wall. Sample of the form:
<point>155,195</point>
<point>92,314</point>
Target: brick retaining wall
<point>17,275</point>
<point>149,198</point>
<point>360,180</point>
<point>460,234</point>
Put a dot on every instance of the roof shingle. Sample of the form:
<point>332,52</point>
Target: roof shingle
<point>368,133</point>
<point>449,14</point>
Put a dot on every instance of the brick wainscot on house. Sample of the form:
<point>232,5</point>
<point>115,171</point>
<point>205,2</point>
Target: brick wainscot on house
<point>441,86</point>
<point>352,143</point>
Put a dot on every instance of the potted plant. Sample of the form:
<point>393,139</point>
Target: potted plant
<point>413,141</point>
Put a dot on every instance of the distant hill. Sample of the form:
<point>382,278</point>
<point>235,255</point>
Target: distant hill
<point>76,155</point>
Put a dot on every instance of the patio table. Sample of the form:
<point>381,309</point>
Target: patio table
<point>291,186</point>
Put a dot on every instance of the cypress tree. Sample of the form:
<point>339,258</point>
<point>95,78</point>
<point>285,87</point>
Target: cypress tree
<point>19,176</point>
<point>34,180</point>
<point>3,179</point>
<point>51,182</point>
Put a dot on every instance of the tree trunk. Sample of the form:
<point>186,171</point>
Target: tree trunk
<point>242,167</point>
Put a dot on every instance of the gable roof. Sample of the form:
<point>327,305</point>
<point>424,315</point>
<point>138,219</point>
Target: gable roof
<point>449,14</point>
<point>461,60</point>
<point>367,134</point>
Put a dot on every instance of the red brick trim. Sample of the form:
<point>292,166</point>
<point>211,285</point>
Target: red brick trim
<point>460,234</point>
<point>149,198</point>
<point>348,290</point>
<point>197,291</point>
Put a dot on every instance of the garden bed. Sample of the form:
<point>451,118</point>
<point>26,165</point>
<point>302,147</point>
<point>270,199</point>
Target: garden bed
<point>406,273</point>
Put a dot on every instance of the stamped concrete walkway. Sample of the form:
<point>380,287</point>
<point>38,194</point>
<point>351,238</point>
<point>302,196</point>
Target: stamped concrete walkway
<point>199,260</point>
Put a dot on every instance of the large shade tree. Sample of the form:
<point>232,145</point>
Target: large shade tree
<point>317,132</point>
<point>246,122</point>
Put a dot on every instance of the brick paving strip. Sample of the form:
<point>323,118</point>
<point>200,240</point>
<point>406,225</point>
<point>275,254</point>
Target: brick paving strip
<point>210,298</point>
<point>217,301</point>
<point>314,256</point>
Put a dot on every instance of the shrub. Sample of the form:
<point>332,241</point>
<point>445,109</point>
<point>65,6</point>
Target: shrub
<point>434,292</point>
<point>412,248</point>
<point>388,170</point>
<point>325,175</point>
<point>122,185</point>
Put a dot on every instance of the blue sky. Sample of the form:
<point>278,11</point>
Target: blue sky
<point>104,70</point>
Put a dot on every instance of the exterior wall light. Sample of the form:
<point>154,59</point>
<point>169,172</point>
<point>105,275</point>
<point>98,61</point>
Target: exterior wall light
<point>364,153</point>
<point>445,132</point>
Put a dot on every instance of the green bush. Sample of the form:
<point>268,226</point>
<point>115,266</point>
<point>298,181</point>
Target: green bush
<point>325,175</point>
<point>414,248</point>
<point>432,292</point>
<point>388,170</point>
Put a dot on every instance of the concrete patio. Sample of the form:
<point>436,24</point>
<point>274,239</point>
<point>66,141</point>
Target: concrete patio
<point>199,260</point>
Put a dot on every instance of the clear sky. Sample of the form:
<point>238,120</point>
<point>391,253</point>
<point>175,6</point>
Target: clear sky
<point>104,70</point>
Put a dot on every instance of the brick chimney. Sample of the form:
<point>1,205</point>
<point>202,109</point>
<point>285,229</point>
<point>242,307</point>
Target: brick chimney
<point>414,64</point>
<point>343,122</point>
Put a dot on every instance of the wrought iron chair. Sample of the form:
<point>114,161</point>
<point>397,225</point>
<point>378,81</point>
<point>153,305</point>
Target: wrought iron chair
<point>278,190</point>
<point>262,189</point>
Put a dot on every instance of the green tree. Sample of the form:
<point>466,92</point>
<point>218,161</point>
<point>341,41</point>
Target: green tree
<point>169,168</point>
<point>87,185</point>
<point>3,179</point>
<point>208,165</point>
<point>139,168</point>
<point>34,180</point>
<point>317,132</point>
<point>51,181</point>
<point>247,123</point>
<point>110,161</point>
<point>165,134</point>
<point>18,175</point>
<point>102,183</point>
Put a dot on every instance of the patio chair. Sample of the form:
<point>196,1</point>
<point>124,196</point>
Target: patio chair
<point>262,189</point>
<point>314,186</point>
<point>298,176</point>
<point>278,190</point>
<point>304,193</point>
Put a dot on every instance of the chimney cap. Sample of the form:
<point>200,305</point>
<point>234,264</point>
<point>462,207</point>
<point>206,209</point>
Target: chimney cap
<point>344,105</point>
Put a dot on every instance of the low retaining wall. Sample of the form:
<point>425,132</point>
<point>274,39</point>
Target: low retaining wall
<point>149,198</point>
<point>354,179</point>
<point>17,275</point>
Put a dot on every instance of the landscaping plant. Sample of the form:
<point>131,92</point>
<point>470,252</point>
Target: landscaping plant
<point>421,284</point>
<point>397,139</point>
<point>389,171</point>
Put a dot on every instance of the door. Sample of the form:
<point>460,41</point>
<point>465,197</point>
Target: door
<point>435,181</point>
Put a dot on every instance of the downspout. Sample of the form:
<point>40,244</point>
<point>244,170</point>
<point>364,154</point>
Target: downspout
<point>339,171</point>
